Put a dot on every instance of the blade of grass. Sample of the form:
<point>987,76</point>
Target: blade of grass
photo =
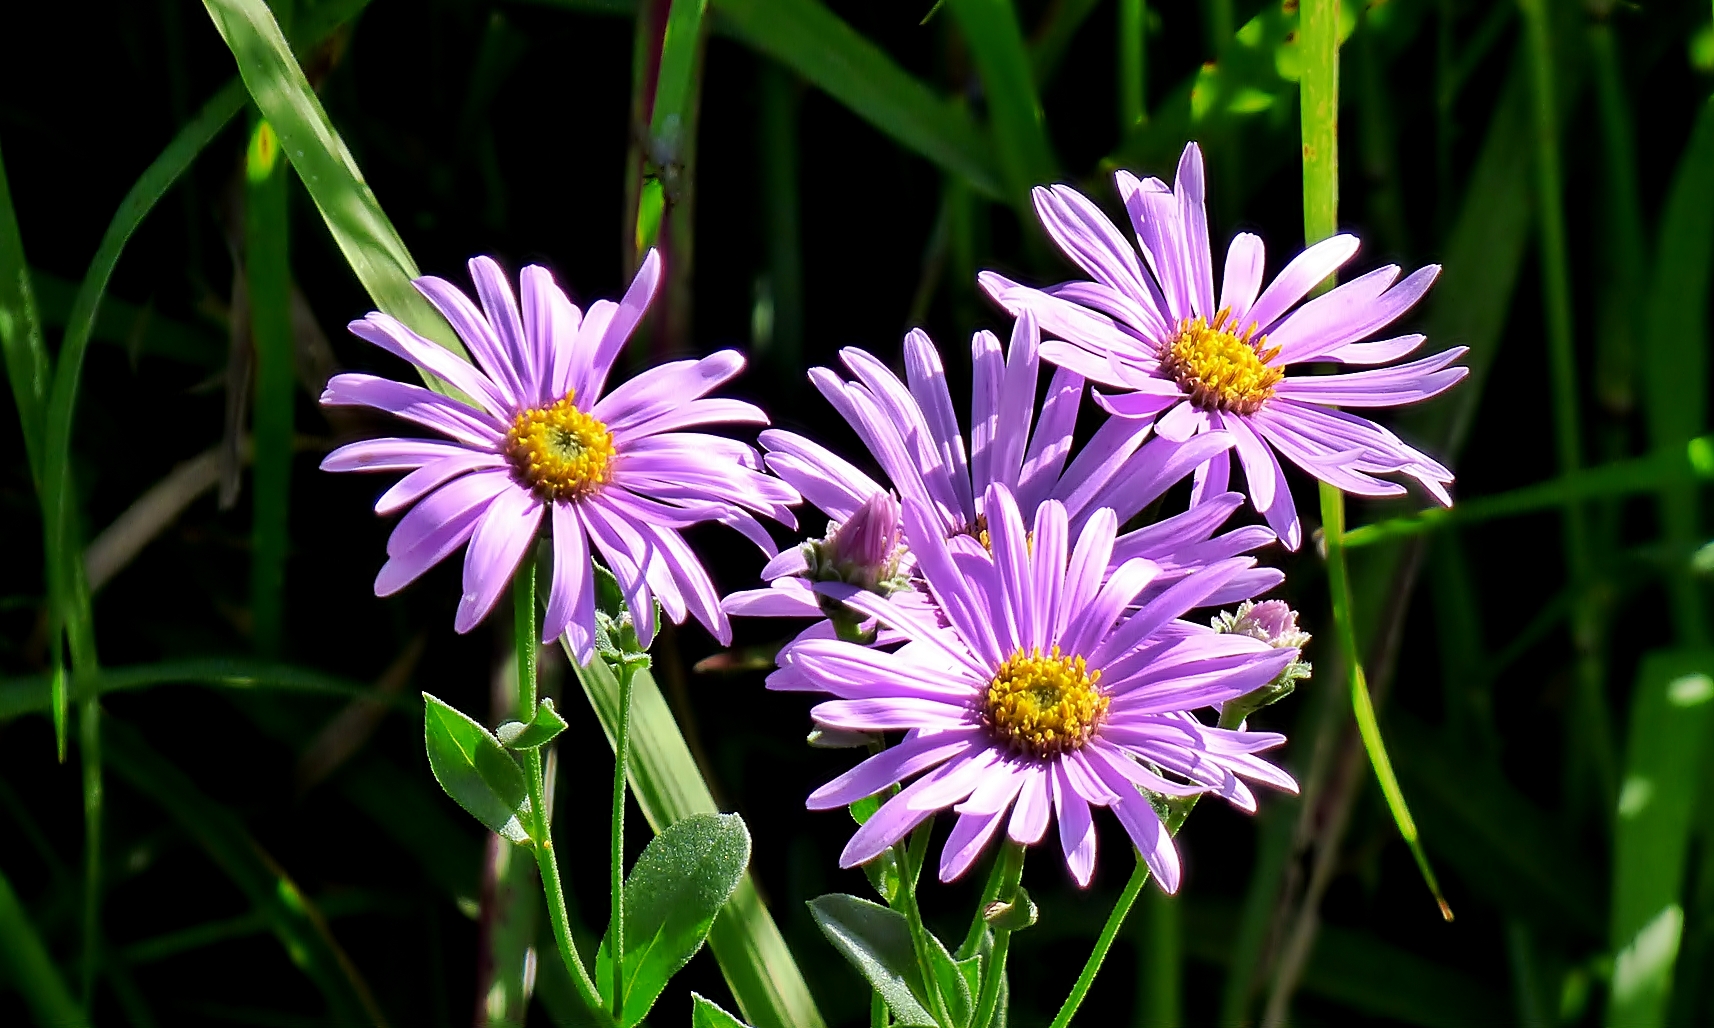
<point>367,239</point>
<point>27,364</point>
<point>665,214</point>
<point>30,695</point>
<point>32,970</point>
<point>270,292</point>
<point>1160,977</point>
<point>1675,345</point>
<point>294,920</point>
<point>1053,35</point>
<point>814,42</point>
<point>991,30</point>
<point>1681,465</point>
<point>1622,254</point>
<point>1664,771</point>
<point>758,967</point>
<point>140,330</point>
<point>1133,63</point>
<point>1319,36</point>
<point>777,134</point>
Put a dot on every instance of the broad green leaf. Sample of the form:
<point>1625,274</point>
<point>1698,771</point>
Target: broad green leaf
<point>672,895</point>
<point>27,364</point>
<point>295,921</point>
<point>811,40</point>
<point>877,942</point>
<point>1666,765</point>
<point>1014,107</point>
<point>758,967</point>
<point>367,239</point>
<point>475,770</point>
<point>541,729</point>
<point>706,1014</point>
<point>29,966</point>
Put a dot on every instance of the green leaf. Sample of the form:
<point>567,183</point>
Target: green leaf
<point>883,871</point>
<point>367,239</point>
<point>811,40</point>
<point>475,770</point>
<point>1665,767</point>
<point>32,694</point>
<point>685,875</point>
<point>295,921</point>
<point>31,968</point>
<point>541,730</point>
<point>268,275</point>
<point>27,364</point>
<point>753,957</point>
<point>1014,108</point>
<point>877,942</point>
<point>706,1014</point>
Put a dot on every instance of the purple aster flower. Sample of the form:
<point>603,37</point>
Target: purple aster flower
<point>534,439</point>
<point>1044,696</point>
<point>911,431</point>
<point>1202,366</point>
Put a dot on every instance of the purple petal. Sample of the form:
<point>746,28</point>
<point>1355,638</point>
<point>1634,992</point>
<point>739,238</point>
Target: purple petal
<point>390,334</point>
<point>1380,387</point>
<point>550,326</point>
<point>468,425</point>
<point>1323,325</point>
<point>1030,815</point>
<point>1244,260</point>
<point>501,308</point>
<point>571,599</point>
<point>969,836</point>
<point>624,321</point>
<point>477,334</point>
<point>927,378</point>
<point>430,477</point>
<point>1193,219</point>
<point>1087,568</point>
<point>898,815</point>
<point>1076,828</point>
<point>389,454</point>
<point>662,389</point>
<point>918,752</point>
<point>1295,281</point>
<point>445,504</point>
<point>500,543</point>
<point>1050,444</point>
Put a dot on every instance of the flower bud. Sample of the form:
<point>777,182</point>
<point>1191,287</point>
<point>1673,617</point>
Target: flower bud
<point>1275,623</point>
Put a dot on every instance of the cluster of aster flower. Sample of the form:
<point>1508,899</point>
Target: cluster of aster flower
<point>990,606</point>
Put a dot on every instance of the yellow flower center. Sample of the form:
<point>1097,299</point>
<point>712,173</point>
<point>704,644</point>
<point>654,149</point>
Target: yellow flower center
<point>559,451</point>
<point>1044,706</point>
<point>1222,369</point>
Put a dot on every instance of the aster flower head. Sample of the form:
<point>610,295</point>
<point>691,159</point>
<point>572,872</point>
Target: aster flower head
<point>910,429</point>
<point>1152,330</point>
<point>1049,692</point>
<point>536,438</point>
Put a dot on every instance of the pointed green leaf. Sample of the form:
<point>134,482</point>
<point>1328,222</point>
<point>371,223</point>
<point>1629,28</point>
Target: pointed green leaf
<point>706,1014</point>
<point>1015,117</point>
<point>27,364</point>
<point>541,729</point>
<point>877,942</point>
<point>475,770</point>
<point>685,875</point>
<point>30,967</point>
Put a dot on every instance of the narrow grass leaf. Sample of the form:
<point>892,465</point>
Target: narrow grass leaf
<point>294,920</point>
<point>370,243</point>
<point>758,967</point>
<point>27,364</point>
<point>30,967</point>
<point>32,695</point>
<point>269,280</point>
<point>814,42</point>
<point>1015,119</point>
<point>1665,767</point>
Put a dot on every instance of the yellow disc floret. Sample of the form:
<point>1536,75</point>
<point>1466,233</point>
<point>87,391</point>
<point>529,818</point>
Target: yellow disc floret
<point>559,451</point>
<point>1219,367</point>
<point>1044,706</point>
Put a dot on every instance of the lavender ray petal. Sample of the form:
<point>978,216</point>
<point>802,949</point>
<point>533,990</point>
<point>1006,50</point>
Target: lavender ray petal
<point>1050,443</point>
<point>624,321</point>
<point>389,454</point>
<point>918,752</point>
<point>477,334</point>
<point>390,334</point>
<point>927,379</point>
<point>430,477</point>
<point>468,425</point>
<point>1076,828</point>
<point>501,308</point>
<point>1243,278</point>
<point>505,534</point>
<point>1297,278</point>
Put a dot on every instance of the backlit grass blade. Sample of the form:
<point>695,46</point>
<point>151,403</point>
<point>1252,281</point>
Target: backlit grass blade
<point>293,919</point>
<point>268,277</point>
<point>1622,254</point>
<point>27,364</point>
<point>30,695</point>
<point>777,134</point>
<point>29,966</point>
<point>1319,36</point>
<point>814,42</point>
<point>1015,119</point>
<point>1675,348</point>
<point>1665,772</point>
<point>1678,466</point>
<point>367,239</point>
<point>1054,34</point>
<point>668,786</point>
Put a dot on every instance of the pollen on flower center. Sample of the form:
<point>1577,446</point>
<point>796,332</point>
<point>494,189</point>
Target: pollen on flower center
<point>559,451</point>
<point>1044,706</point>
<point>1219,367</point>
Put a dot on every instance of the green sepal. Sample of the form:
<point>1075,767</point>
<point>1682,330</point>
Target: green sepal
<point>615,632</point>
<point>539,731</point>
<point>1015,916</point>
<point>705,1013</point>
<point>475,770</point>
<point>678,885</point>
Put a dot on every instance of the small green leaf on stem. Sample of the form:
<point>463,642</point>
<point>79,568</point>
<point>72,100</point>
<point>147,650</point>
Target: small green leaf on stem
<point>707,1014</point>
<point>475,770</point>
<point>685,875</point>
<point>537,732</point>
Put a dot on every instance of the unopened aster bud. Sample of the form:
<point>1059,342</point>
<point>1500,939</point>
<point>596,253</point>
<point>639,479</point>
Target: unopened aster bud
<point>865,551</point>
<point>1275,623</point>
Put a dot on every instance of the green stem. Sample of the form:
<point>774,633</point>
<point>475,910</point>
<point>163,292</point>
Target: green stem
<point>1010,864</point>
<point>524,639</point>
<point>1103,942</point>
<point>89,745</point>
<point>913,918</point>
<point>990,892</point>
<point>877,1011</point>
<point>1133,18</point>
<point>616,883</point>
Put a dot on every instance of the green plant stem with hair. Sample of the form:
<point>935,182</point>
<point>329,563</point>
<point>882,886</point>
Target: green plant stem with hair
<point>541,829</point>
<point>1008,870</point>
<point>910,865</point>
<point>616,883</point>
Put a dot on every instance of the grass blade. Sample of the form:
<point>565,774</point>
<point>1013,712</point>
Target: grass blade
<point>268,278</point>
<point>367,239</point>
<point>293,919</point>
<point>1019,129</point>
<point>32,970</point>
<point>1675,347</point>
<point>814,42</point>
<point>777,134</point>
<point>668,786</point>
<point>27,365</point>
<point>1664,771</point>
<point>30,695</point>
